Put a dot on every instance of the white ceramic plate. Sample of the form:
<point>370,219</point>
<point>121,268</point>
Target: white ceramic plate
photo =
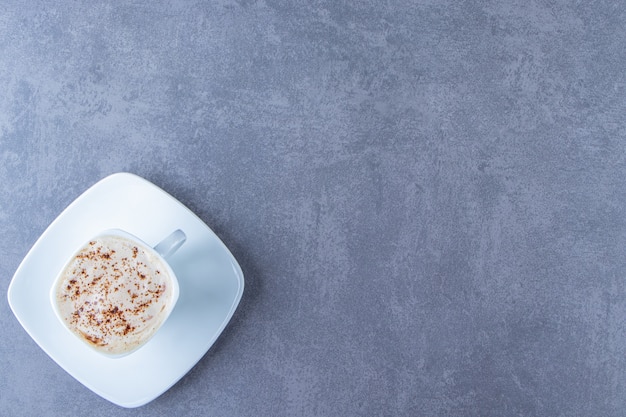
<point>211,286</point>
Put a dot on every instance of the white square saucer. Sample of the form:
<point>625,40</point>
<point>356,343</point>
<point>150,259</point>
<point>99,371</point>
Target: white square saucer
<point>211,286</point>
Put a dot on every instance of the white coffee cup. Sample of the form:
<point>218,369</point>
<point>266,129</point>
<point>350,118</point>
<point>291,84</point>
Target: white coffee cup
<point>116,291</point>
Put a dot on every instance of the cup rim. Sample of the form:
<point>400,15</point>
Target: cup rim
<point>148,248</point>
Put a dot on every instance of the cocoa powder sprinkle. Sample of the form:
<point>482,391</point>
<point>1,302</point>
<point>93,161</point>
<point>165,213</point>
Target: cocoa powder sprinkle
<point>96,300</point>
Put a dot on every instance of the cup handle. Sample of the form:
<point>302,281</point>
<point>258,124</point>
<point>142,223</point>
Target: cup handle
<point>170,244</point>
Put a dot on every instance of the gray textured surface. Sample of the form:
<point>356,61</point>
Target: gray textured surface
<point>427,198</point>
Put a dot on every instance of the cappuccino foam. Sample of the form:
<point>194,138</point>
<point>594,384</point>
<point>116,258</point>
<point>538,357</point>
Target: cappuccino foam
<point>114,294</point>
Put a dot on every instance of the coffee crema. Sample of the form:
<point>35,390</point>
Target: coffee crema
<point>114,294</point>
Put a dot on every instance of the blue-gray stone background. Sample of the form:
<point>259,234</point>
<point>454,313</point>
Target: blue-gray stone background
<point>426,197</point>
